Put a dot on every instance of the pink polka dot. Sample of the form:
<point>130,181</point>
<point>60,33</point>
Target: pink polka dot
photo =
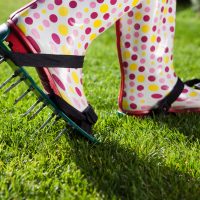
<point>73,4</point>
<point>140,95</point>
<point>113,10</point>
<point>132,98</point>
<point>86,20</point>
<point>70,40</point>
<point>34,43</point>
<point>29,20</point>
<point>78,91</point>
<point>113,2</point>
<point>58,81</point>
<point>162,80</point>
<point>46,23</point>
<point>75,33</point>
<point>151,70</point>
<point>132,84</point>
<point>79,15</point>
<point>53,18</point>
<point>92,5</point>
<point>133,106</point>
<point>76,102</point>
<point>50,6</point>
<point>36,15</point>
<point>156,96</point>
<point>35,33</point>
<point>71,21</point>
<point>128,36</point>
<point>55,38</point>
<point>58,2</point>
<point>69,79</point>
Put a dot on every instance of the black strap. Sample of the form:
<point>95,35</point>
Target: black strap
<point>164,105</point>
<point>84,119</point>
<point>193,83</point>
<point>43,60</point>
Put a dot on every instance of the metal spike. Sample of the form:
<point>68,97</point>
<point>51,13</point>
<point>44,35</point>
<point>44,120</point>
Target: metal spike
<point>60,134</point>
<point>2,59</point>
<point>14,85</point>
<point>23,95</point>
<point>56,120</point>
<point>47,121</point>
<point>9,79</point>
<point>32,107</point>
<point>38,111</point>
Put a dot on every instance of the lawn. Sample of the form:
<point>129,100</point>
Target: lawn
<point>150,158</point>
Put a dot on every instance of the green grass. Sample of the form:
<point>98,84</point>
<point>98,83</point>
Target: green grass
<point>138,158</point>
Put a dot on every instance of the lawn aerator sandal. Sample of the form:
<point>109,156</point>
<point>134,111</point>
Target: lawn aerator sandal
<point>81,121</point>
<point>52,36</point>
<point>145,39</point>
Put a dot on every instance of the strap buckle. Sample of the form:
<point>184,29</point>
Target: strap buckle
<point>197,86</point>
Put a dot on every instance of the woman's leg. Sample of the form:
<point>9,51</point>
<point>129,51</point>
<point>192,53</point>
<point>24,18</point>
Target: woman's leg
<point>68,27</point>
<point>145,44</point>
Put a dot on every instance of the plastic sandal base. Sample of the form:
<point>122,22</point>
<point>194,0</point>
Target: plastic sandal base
<point>4,33</point>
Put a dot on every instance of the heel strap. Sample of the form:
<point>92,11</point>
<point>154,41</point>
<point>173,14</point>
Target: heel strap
<point>85,119</point>
<point>164,105</point>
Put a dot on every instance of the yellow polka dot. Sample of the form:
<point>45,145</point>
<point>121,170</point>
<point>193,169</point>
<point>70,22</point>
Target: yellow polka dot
<point>141,78</point>
<point>65,50</point>
<point>119,5</point>
<point>153,88</point>
<point>71,89</point>
<point>138,15</point>
<point>142,101</point>
<point>86,10</point>
<point>193,94</point>
<point>153,38</point>
<point>97,23</point>
<point>126,54</point>
<point>63,95</point>
<point>75,77</point>
<point>133,67</point>
<point>135,2</point>
<point>132,90</point>
<point>166,59</point>
<point>145,28</point>
<point>40,27</point>
<point>44,11</point>
<point>171,19</point>
<point>136,41</point>
<point>63,11</point>
<point>79,45</point>
<point>25,14</point>
<point>104,8</point>
<point>22,28</point>
<point>81,27</point>
<point>125,104</point>
<point>63,30</point>
<point>144,53</point>
<point>93,36</point>
<point>165,10</point>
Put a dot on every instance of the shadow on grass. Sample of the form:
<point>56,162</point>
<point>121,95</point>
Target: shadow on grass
<point>182,5</point>
<point>187,124</point>
<point>119,173</point>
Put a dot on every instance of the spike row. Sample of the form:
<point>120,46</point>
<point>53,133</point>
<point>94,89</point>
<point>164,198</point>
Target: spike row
<point>24,76</point>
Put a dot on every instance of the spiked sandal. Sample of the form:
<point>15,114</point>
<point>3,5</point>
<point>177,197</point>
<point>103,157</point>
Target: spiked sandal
<point>80,121</point>
<point>145,39</point>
